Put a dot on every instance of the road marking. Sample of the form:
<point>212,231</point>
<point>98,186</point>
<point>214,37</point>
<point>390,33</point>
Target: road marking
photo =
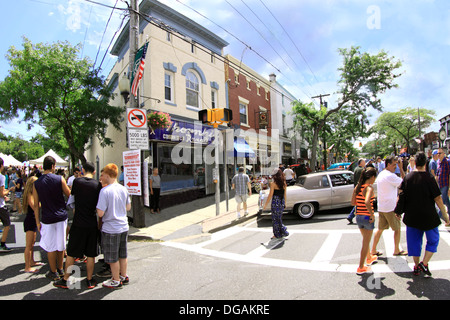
<point>265,247</point>
<point>329,246</point>
<point>321,261</point>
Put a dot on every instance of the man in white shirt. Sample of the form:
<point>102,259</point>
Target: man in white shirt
<point>289,175</point>
<point>387,190</point>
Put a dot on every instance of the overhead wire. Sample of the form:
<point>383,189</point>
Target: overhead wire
<point>103,35</point>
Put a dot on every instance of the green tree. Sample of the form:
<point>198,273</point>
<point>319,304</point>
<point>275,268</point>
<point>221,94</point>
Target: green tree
<point>363,77</point>
<point>59,91</point>
<point>19,148</point>
<point>403,125</point>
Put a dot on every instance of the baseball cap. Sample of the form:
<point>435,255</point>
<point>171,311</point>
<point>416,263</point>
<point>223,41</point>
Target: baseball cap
<point>435,152</point>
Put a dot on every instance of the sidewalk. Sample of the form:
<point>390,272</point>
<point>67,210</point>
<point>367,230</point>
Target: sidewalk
<point>194,219</point>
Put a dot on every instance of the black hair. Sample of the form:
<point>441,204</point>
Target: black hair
<point>366,174</point>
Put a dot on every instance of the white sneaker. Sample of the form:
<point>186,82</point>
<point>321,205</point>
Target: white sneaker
<point>238,215</point>
<point>113,284</point>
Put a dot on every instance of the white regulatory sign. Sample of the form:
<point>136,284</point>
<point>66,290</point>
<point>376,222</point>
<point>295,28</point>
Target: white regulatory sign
<point>138,139</point>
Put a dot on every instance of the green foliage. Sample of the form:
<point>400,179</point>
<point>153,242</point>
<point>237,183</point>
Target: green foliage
<point>364,77</point>
<point>60,92</point>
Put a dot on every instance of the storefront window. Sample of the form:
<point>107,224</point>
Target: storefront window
<point>178,176</point>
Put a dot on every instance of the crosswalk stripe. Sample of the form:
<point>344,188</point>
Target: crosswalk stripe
<point>328,248</point>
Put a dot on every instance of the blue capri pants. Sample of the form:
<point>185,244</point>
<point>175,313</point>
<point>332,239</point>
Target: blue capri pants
<point>414,239</point>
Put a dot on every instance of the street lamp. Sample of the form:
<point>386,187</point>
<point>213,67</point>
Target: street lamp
<point>124,87</point>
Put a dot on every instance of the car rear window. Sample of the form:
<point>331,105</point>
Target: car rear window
<point>314,182</point>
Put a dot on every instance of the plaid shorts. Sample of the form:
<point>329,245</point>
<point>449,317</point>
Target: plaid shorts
<point>114,246</point>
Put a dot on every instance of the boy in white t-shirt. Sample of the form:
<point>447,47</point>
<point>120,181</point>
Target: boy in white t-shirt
<point>113,204</point>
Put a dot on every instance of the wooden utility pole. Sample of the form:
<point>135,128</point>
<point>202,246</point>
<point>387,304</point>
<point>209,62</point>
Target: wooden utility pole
<point>137,202</point>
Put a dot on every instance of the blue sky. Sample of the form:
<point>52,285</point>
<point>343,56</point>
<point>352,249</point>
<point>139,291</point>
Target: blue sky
<point>414,31</point>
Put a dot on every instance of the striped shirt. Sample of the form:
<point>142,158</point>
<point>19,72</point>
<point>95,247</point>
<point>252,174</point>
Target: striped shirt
<point>240,183</point>
<point>442,172</point>
<point>361,208</point>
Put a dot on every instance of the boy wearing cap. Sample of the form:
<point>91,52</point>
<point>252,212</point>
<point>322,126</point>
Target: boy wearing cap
<point>433,163</point>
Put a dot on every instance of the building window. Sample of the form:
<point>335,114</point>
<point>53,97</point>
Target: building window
<point>213,59</point>
<point>236,79</point>
<point>243,113</point>
<point>248,84</point>
<point>168,36</point>
<point>213,98</point>
<point>192,48</point>
<point>192,90</point>
<point>168,87</point>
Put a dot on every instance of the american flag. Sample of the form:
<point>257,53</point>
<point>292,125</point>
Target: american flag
<point>139,63</point>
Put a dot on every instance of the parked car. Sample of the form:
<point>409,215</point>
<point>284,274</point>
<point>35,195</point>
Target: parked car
<point>339,166</point>
<point>316,191</point>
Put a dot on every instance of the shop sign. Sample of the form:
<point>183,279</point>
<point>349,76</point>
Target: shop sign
<point>188,132</point>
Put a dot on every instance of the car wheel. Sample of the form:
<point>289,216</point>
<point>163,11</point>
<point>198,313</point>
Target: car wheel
<point>305,210</point>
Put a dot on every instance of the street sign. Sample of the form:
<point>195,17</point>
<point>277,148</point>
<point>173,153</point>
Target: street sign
<point>132,171</point>
<point>137,118</point>
<point>138,139</point>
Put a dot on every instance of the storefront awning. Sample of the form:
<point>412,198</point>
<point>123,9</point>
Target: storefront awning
<point>242,149</point>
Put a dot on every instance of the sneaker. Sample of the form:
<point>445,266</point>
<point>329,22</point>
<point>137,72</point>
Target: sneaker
<point>5,249</point>
<point>104,273</point>
<point>424,269</point>
<point>416,271</point>
<point>91,283</point>
<point>113,284</point>
<point>371,260</point>
<point>54,276</point>
<point>363,270</point>
<point>61,283</point>
<point>238,215</point>
<point>125,280</point>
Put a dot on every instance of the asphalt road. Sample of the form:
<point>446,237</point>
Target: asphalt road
<point>316,262</point>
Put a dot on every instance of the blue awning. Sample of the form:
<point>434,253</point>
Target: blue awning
<point>242,149</point>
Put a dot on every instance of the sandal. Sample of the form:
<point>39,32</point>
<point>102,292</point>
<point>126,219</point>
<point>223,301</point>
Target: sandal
<point>378,253</point>
<point>401,253</point>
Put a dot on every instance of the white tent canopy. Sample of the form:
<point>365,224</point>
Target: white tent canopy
<point>9,160</point>
<point>60,162</point>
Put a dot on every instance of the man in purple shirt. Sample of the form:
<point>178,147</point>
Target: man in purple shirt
<point>49,190</point>
<point>442,177</point>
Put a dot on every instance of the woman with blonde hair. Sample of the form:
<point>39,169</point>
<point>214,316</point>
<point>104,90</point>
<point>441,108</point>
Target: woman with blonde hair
<point>29,226</point>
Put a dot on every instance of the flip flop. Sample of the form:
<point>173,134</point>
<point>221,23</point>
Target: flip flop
<point>34,271</point>
<point>378,253</point>
<point>401,253</point>
<point>37,264</point>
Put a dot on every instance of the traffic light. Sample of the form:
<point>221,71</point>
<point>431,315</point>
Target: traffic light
<point>205,115</point>
<point>223,115</point>
<point>215,116</point>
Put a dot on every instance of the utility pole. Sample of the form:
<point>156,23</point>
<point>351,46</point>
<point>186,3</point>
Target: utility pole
<point>137,203</point>
<point>320,96</point>
<point>325,158</point>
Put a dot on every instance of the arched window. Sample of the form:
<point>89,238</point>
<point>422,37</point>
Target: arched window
<point>192,90</point>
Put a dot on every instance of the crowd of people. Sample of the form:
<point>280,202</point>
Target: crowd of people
<point>414,191</point>
<point>100,222</point>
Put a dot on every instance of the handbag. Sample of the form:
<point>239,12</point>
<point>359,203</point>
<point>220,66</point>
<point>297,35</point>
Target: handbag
<point>353,201</point>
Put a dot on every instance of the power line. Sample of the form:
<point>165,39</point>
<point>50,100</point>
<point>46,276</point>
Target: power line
<point>104,31</point>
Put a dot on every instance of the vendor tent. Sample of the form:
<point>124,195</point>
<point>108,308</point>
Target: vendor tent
<point>9,160</point>
<point>60,162</point>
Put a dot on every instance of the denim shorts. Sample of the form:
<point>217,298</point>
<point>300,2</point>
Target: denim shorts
<point>363,222</point>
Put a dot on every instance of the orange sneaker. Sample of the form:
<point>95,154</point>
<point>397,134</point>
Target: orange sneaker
<point>363,270</point>
<point>371,260</point>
